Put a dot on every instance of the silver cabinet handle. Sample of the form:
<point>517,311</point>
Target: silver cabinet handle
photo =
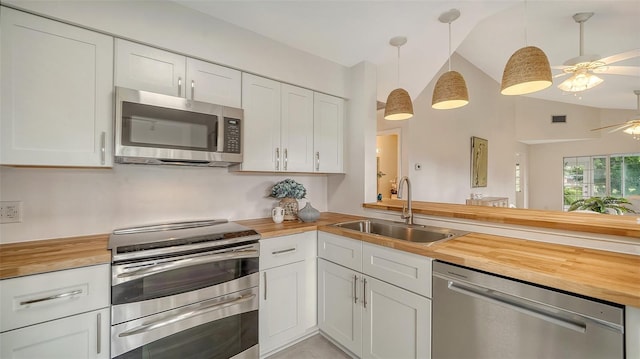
<point>186,314</point>
<point>179,86</point>
<point>193,89</point>
<point>286,159</point>
<point>277,158</point>
<point>52,297</point>
<point>103,149</point>
<point>187,262</point>
<point>486,295</point>
<point>317,161</point>
<point>364,292</point>
<point>265,285</point>
<point>283,251</point>
<point>99,333</point>
<point>355,289</point>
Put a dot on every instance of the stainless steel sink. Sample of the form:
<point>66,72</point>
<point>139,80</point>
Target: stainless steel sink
<point>412,233</point>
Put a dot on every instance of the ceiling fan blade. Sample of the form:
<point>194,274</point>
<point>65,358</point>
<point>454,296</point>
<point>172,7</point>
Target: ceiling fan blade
<point>621,56</point>
<point>618,124</point>
<point>621,127</point>
<point>560,75</point>
<point>619,70</point>
<point>560,67</point>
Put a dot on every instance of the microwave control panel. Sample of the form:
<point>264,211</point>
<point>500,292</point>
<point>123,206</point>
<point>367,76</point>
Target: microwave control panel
<point>232,135</point>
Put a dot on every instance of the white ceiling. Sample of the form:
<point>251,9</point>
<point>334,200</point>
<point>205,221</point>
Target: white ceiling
<point>486,34</point>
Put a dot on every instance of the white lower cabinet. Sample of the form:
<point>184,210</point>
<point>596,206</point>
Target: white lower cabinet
<point>79,336</point>
<point>287,290</point>
<point>62,314</point>
<point>370,317</point>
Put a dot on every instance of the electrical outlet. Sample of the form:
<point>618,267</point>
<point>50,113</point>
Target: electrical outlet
<point>10,211</point>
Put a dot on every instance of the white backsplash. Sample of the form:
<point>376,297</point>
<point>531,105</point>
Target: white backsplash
<point>73,202</point>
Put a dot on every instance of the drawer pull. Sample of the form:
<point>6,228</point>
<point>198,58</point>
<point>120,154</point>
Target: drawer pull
<point>56,296</point>
<point>283,251</point>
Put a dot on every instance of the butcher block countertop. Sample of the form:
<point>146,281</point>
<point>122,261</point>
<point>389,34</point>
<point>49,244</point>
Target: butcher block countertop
<point>626,226</point>
<point>605,275</point>
<point>24,258</point>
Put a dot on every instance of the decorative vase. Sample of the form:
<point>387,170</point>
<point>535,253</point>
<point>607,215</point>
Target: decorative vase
<point>308,213</point>
<point>290,206</point>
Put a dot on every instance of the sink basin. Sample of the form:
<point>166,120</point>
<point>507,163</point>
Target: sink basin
<point>412,233</point>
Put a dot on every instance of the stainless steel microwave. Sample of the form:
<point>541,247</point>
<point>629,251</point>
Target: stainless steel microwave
<point>152,128</point>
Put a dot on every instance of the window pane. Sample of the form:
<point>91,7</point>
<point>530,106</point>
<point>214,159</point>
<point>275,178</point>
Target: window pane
<point>599,188</point>
<point>615,168</point>
<point>631,172</point>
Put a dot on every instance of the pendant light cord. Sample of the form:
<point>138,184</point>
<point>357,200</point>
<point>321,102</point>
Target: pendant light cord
<point>526,41</point>
<point>449,46</point>
<point>398,74</point>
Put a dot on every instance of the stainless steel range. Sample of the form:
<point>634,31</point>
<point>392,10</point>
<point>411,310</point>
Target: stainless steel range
<point>185,290</point>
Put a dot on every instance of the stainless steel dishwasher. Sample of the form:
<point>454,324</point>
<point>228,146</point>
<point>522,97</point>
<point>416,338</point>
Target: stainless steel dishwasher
<point>480,315</point>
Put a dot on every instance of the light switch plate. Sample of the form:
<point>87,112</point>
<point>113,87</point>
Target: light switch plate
<point>10,211</point>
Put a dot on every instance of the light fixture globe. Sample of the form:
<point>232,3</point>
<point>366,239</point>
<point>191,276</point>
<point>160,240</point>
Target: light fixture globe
<point>580,81</point>
<point>450,92</point>
<point>527,71</point>
<point>399,106</point>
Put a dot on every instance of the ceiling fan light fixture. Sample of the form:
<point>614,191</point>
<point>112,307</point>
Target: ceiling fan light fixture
<point>399,106</point>
<point>580,81</point>
<point>633,131</point>
<point>450,92</point>
<point>527,71</point>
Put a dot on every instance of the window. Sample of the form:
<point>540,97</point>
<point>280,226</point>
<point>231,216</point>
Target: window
<point>518,186</point>
<point>608,175</point>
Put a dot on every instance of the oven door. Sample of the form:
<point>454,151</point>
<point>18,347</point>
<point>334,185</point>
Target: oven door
<point>147,287</point>
<point>219,328</point>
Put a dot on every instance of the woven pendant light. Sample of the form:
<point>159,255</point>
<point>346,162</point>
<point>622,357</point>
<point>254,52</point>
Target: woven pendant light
<point>399,106</point>
<point>451,89</point>
<point>527,70</point>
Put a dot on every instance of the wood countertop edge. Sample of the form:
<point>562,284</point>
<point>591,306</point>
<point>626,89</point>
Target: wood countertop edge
<point>625,226</point>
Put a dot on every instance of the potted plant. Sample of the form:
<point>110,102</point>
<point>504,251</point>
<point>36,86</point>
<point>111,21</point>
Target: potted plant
<point>288,191</point>
<point>608,204</point>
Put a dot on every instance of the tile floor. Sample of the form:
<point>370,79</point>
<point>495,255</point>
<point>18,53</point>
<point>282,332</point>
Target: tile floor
<point>315,347</point>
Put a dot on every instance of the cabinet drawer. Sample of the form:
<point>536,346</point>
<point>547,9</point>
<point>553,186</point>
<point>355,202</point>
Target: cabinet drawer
<point>42,297</point>
<point>340,250</point>
<point>287,249</point>
<point>405,270</point>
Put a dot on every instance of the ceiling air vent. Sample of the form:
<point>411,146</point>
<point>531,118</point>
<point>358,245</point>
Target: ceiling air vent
<point>559,119</point>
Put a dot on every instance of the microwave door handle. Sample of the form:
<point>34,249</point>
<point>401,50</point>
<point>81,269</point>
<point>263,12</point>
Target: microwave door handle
<point>189,313</point>
<point>181,263</point>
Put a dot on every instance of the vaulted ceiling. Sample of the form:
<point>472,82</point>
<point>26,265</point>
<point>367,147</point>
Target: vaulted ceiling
<point>486,34</point>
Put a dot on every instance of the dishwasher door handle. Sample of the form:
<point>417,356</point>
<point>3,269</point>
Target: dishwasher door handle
<point>514,304</point>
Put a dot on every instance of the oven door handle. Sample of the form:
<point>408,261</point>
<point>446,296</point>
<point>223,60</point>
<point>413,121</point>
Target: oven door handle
<point>181,263</point>
<point>186,314</point>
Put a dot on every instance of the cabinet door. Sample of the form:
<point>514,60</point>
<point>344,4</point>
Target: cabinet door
<point>339,308</point>
<point>297,129</point>
<point>211,83</point>
<point>56,93</point>
<point>328,132</point>
<point>145,68</point>
<point>79,336</point>
<point>283,305</point>
<point>261,104</point>
<point>396,322</point>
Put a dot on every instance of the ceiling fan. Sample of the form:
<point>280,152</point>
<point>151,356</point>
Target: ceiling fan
<point>632,126</point>
<point>584,67</point>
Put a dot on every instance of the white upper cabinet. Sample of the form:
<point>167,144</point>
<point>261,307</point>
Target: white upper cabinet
<point>290,129</point>
<point>146,68</point>
<point>296,129</point>
<point>261,104</point>
<point>56,93</point>
<point>211,83</point>
<point>328,132</point>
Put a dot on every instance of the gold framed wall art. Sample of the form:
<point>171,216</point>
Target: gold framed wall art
<point>479,161</point>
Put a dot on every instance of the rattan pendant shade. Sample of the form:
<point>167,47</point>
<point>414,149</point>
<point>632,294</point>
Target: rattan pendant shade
<point>527,71</point>
<point>451,90</point>
<point>399,106</point>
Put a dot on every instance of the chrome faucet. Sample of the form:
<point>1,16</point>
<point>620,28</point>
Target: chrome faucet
<point>407,215</point>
